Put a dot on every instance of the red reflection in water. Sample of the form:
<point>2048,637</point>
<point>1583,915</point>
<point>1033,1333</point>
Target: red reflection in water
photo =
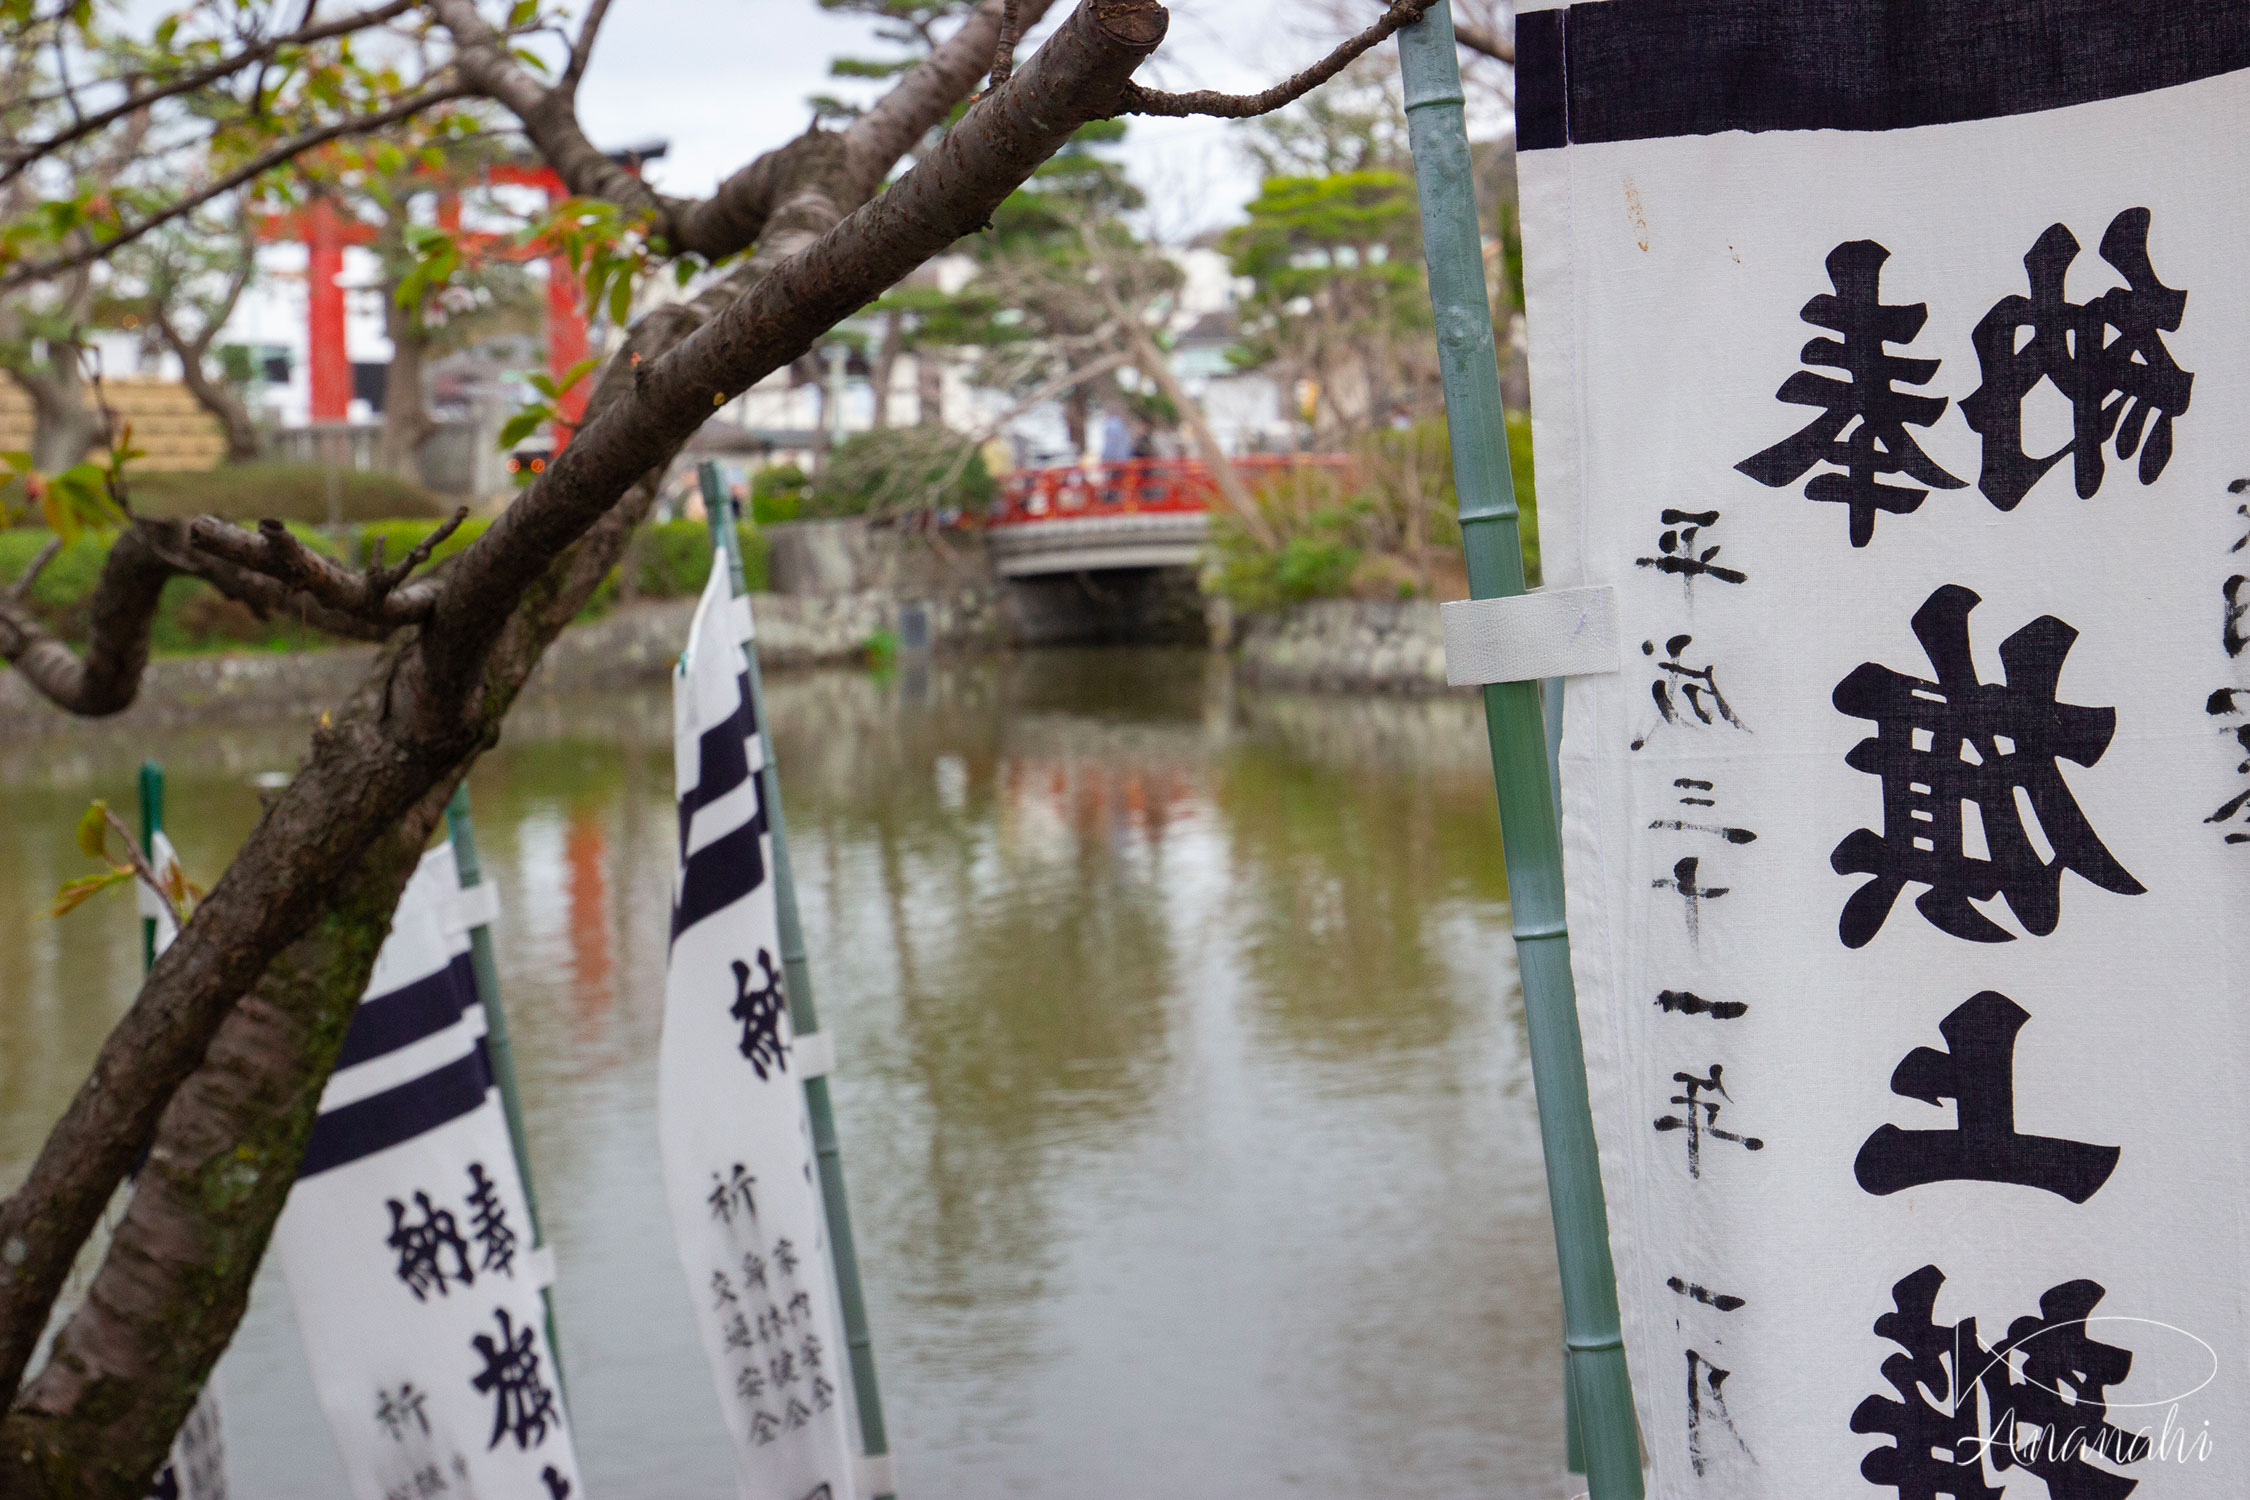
<point>586,852</point>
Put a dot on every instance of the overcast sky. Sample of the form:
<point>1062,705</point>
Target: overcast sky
<point>723,80</point>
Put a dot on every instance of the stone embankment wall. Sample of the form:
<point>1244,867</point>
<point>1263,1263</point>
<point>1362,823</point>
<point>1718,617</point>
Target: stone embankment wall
<point>634,644</point>
<point>853,593</point>
<point>1347,645</point>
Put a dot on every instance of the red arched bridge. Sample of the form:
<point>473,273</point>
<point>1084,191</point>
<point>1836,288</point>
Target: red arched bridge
<point>1142,513</point>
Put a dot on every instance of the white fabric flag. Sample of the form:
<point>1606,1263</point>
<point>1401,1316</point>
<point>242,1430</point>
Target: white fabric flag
<point>406,1240</point>
<point>196,1468</point>
<point>1889,361</point>
<point>737,1147</point>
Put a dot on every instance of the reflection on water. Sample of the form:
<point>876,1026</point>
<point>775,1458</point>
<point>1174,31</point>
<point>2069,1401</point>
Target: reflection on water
<point>1183,1090</point>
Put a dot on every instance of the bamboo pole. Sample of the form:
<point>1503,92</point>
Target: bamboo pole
<point>1600,1396</point>
<point>152,823</point>
<point>461,828</point>
<point>804,1017</point>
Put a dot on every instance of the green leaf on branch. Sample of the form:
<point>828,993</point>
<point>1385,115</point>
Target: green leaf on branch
<point>93,830</point>
<point>75,893</point>
<point>524,423</point>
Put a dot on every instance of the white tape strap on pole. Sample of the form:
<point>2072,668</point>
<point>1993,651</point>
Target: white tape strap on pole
<point>875,1474</point>
<point>473,907</point>
<point>813,1056</point>
<point>1551,633</point>
<point>150,904</point>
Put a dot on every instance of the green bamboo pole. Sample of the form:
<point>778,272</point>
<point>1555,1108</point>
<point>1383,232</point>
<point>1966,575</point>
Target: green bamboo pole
<point>462,829</point>
<point>152,823</point>
<point>804,1018</point>
<point>1600,1395</point>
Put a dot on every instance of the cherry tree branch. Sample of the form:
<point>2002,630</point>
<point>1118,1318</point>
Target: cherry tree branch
<point>265,161</point>
<point>1141,101</point>
<point>1004,55</point>
<point>582,47</point>
<point>1491,43</point>
<point>432,703</point>
<point>15,159</point>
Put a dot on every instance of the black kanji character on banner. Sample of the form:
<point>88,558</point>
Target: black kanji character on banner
<point>1707,1408</point>
<point>399,1409</point>
<point>1697,1125</point>
<point>731,1192</point>
<point>422,1249</point>
<point>2228,703</point>
<point>1867,404</point>
<point>760,1011</point>
<point>1679,556</point>
<point>558,1488</point>
<point>1691,895</point>
<point>764,1428</point>
<point>2112,384</point>
<point>785,1256</point>
<point>489,1223</point>
<point>2050,1417</point>
<point>1978,1073</point>
<point>1940,745</point>
<point>1689,1003</point>
<point>753,1270</point>
<point>738,1332</point>
<point>2237,609</point>
<point>1686,695</point>
<point>522,1405</point>
<point>1703,1294</point>
<point>749,1383</point>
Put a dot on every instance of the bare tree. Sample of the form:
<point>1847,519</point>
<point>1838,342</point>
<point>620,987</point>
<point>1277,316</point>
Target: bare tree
<point>214,1073</point>
<point>191,283</point>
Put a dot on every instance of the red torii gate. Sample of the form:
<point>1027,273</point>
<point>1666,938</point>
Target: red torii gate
<point>325,232</point>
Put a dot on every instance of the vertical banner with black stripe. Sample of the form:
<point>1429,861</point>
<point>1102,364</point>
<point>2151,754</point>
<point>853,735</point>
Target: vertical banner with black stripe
<point>737,1147</point>
<point>406,1240</point>
<point>1889,365</point>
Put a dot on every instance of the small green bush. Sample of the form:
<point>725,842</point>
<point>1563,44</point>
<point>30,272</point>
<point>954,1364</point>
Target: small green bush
<point>291,492</point>
<point>899,468</point>
<point>777,494</point>
<point>1336,533</point>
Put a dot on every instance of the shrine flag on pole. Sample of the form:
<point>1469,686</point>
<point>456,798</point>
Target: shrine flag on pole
<point>737,1147</point>
<point>1889,363</point>
<point>406,1241</point>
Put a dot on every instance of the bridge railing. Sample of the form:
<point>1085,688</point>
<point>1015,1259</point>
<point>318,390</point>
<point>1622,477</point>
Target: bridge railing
<point>1139,485</point>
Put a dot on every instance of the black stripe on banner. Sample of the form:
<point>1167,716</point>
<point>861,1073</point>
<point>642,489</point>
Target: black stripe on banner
<point>733,865</point>
<point>1624,70</point>
<point>345,1134</point>
<point>385,1023</point>
<point>719,874</point>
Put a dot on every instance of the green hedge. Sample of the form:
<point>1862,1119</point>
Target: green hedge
<point>670,560</point>
<point>294,492</point>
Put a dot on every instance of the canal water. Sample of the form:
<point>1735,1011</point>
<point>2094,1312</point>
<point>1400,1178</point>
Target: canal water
<point>1182,1079</point>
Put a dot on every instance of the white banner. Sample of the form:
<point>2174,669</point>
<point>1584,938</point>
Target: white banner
<point>1889,361</point>
<point>407,1244</point>
<point>731,1118</point>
